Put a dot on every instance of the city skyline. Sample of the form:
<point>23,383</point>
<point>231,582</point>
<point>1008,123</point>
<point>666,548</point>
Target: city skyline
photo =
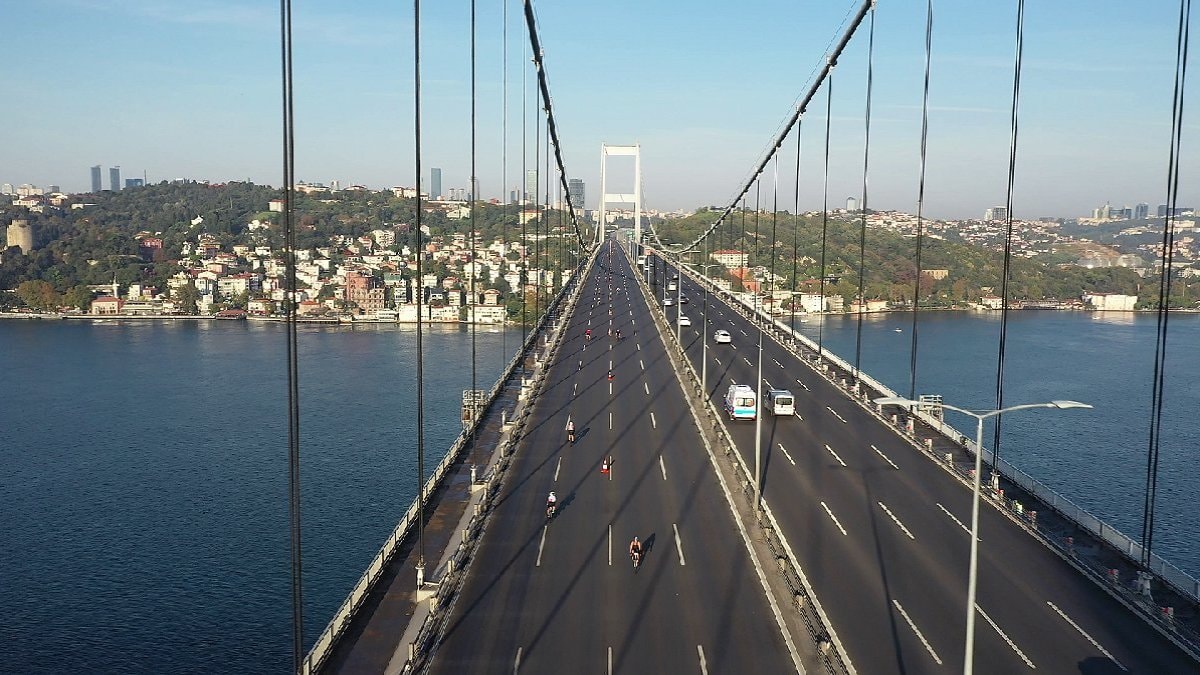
<point>702,116</point>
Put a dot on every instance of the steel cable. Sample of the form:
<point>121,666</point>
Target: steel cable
<point>293,369</point>
<point>1008,236</point>
<point>1164,286</point>
<point>862,236</point>
<point>912,363</point>
<point>825,216</point>
<point>420,252</point>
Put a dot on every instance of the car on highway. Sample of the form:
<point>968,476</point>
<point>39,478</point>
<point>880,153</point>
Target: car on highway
<point>684,320</point>
<point>683,300</point>
<point>668,302</point>
<point>722,336</point>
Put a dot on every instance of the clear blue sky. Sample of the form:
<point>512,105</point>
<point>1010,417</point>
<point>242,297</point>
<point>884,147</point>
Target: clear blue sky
<point>191,89</point>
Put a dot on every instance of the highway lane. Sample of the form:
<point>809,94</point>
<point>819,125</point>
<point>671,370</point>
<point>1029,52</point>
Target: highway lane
<point>562,595</point>
<point>838,469</point>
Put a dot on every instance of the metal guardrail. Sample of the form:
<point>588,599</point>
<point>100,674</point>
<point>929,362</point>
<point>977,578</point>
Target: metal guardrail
<point>366,582</point>
<point>831,653</point>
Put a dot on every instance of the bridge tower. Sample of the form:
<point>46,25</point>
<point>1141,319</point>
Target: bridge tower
<point>634,198</point>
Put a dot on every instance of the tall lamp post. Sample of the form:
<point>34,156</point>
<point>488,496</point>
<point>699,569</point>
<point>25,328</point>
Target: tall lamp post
<point>704,331</point>
<point>972,578</point>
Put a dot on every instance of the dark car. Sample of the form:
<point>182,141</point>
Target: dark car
<point>683,300</point>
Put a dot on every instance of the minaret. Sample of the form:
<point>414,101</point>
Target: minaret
<point>116,289</point>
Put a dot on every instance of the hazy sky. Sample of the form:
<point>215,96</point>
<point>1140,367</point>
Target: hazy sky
<point>192,89</point>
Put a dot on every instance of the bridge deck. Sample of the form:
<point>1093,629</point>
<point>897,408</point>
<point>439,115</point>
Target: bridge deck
<point>562,595</point>
<point>880,531</point>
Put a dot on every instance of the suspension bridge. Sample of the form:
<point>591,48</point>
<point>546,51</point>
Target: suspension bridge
<point>837,538</point>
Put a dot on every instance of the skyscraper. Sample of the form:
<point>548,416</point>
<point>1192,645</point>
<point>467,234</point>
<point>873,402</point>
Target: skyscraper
<point>531,185</point>
<point>1141,211</point>
<point>575,191</point>
<point>435,183</point>
<point>114,178</point>
<point>96,186</point>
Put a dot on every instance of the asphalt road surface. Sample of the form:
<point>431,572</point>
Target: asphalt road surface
<point>561,595</point>
<point>882,533</point>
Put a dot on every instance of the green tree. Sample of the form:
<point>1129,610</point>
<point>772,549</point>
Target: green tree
<point>186,297</point>
<point>79,297</point>
<point>39,295</point>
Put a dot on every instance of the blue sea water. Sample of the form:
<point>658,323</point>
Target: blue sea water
<point>144,481</point>
<point>145,491</point>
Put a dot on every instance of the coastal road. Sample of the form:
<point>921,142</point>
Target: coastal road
<point>562,596</point>
<point>882,533</point>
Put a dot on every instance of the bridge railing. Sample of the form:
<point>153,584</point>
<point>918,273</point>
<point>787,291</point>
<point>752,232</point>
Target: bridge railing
<point>366,582</point>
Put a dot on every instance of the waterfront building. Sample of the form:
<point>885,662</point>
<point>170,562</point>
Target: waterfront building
<point>107,305</point>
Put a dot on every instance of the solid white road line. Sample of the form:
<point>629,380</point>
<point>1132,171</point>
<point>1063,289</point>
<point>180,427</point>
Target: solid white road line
<point>785,454</point>
<point>703,663</point>
<point>1089,638</point>
<point>558,468</point>
<point>1006,638</point>
<point>835,414</point>
<point>896,520</point>
<point>610,661</point>
<point>517,663</point>
<point>653,421</point>
<point>646,386</point>
<point>955,519</point>
<point>541,545</point>
<point>834,518</point>
<point>678,544</point>
<point>803,385</point>
<point>662,466</point>
<point>916,630</point>
<point>885,458</point>
<point>610,544</point>
<point>835,455</point>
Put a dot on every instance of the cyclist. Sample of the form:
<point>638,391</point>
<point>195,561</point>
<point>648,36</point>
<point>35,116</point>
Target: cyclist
<point>571,431</point>
<point>587,334</point>
<point>551,504</point>
<point>618,333</point>
<point>635,551</point>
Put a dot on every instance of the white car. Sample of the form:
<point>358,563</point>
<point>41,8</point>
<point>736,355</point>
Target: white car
<point>668,302</point>
<point>722,336</point>
<point>684,320</point>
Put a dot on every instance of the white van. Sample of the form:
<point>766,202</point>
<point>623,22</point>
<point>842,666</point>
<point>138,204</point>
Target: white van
<point>740,402</point>
<point>671,285</point>
<point>781,402</point>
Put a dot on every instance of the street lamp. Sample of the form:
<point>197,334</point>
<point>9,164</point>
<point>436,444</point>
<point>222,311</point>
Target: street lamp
<point>704,330</point>
<point>969,656</point>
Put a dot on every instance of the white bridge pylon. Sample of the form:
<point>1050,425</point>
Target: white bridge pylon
<point>626,198</point>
